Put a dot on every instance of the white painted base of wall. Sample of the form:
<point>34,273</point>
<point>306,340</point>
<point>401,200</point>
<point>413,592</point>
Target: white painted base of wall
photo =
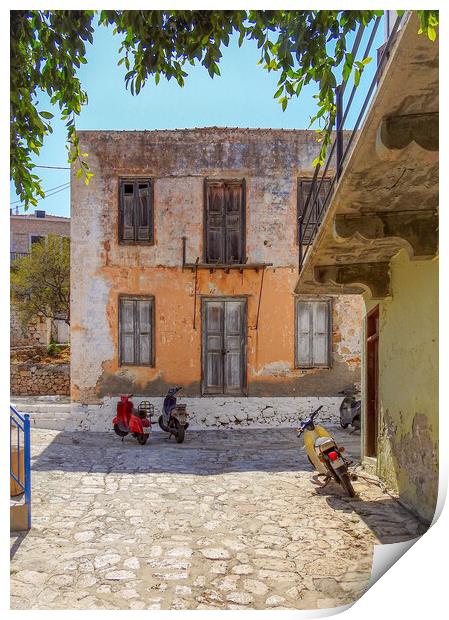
<point>212,412</point>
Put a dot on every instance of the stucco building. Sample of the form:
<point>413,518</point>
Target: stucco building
<point>379,237</point>
<point>184,262</point>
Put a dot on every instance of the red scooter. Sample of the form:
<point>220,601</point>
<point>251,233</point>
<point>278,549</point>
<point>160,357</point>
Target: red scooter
<point>131,420</point>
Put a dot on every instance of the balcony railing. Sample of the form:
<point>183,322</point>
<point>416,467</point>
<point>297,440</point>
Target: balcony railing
<point>323,183</point>
<point>14,255</point>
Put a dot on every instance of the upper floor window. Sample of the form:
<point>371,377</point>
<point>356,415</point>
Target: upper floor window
<point>136,222</point>
<point>313,333</point>
<point>35,239</point>
<point>314,209</point>
<point>224,235</point>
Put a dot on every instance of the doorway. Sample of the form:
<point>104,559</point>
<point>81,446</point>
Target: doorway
<point>224,346</point>
<point>372,382</point>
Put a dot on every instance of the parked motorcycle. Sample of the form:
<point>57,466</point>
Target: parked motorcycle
<point>350,409</point>
<point>324,454</point>
<point>132,420</point>
<point>174,417</point>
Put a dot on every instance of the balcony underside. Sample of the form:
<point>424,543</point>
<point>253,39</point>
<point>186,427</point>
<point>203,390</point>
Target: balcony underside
<point>387,196</point>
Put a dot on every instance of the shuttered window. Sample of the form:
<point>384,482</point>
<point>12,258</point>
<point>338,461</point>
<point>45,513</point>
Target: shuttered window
<point>313,333</point>
<point>136,211</point>
<point>136,325</point>
<point>316,207</point>
<point>224,222</point>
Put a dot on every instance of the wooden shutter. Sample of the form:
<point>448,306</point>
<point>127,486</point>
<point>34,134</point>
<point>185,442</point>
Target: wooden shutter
<point>136,325</point>
<point>136,211</point>
<point>144,330</point>
<point>304,187</point>
<point>127,339</point>
<point>127,212</point>
<point>144,211</point>
<point>303,334</point>
<point>215,205</point>
<point>213,315</point>
<point>320,336</point>
<point>233,341</point>
<point>224,222</point>
<point>313,332</point>
<point>234,223</point>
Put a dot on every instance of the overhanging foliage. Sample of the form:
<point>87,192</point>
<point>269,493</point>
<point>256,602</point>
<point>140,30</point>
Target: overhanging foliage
<point>48,47</point>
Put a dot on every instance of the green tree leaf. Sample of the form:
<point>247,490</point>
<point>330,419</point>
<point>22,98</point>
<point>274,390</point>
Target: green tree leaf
<point>49,46</point>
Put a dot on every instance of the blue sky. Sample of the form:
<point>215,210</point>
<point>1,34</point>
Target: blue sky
<point>241,97</point>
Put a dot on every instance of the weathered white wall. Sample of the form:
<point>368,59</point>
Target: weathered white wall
<point>216,412</point>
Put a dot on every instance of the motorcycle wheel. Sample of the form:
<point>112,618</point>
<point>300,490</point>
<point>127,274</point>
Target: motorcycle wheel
<point>356,423</point>
<point>180,434</point>
<point>347,484</point>
<point>119,432</point>
<point>142,438</point>
<point>162,425</point>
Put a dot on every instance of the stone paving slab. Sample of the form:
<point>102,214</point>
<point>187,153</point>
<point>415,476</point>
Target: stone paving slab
<point>227,520</point>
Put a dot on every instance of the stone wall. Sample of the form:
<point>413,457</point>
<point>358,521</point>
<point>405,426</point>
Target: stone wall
<point>39,331</point>
<point>35,333</point>
<point>30,378</point>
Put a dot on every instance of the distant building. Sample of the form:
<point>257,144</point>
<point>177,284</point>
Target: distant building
<point>26,229</point>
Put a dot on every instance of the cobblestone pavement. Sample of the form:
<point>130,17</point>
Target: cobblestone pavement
<point>227,520</point>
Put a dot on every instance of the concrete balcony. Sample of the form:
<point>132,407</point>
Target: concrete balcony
<point>387,196</point>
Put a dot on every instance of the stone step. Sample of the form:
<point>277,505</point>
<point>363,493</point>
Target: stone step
<point>32,398</point>
<point>54,423</point>
<point>51,408</point>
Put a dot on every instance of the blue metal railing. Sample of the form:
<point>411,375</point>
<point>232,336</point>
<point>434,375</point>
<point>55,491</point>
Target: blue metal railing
<point>315,206</point>
<point>19,439</point>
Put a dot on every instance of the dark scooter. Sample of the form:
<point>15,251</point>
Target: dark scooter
<point>350,409</point>
<point>174,417</point>
<point>132,420</point>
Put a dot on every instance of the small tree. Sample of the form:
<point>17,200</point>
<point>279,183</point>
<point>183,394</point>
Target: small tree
<point>40,282</point>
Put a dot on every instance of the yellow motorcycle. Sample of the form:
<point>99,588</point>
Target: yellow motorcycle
<point>324,454</point>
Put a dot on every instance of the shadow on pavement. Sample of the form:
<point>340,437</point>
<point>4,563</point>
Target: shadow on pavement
<point>19,538</point>
<point>205,452</point>
<point>382,516</point>
<point>214,452</point>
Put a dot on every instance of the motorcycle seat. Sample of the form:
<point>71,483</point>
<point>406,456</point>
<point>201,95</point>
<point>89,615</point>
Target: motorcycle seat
<point>324,442</point>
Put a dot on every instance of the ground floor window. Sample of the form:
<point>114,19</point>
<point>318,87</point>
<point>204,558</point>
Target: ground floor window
<point>313,346</point>
<point>136,326</point>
